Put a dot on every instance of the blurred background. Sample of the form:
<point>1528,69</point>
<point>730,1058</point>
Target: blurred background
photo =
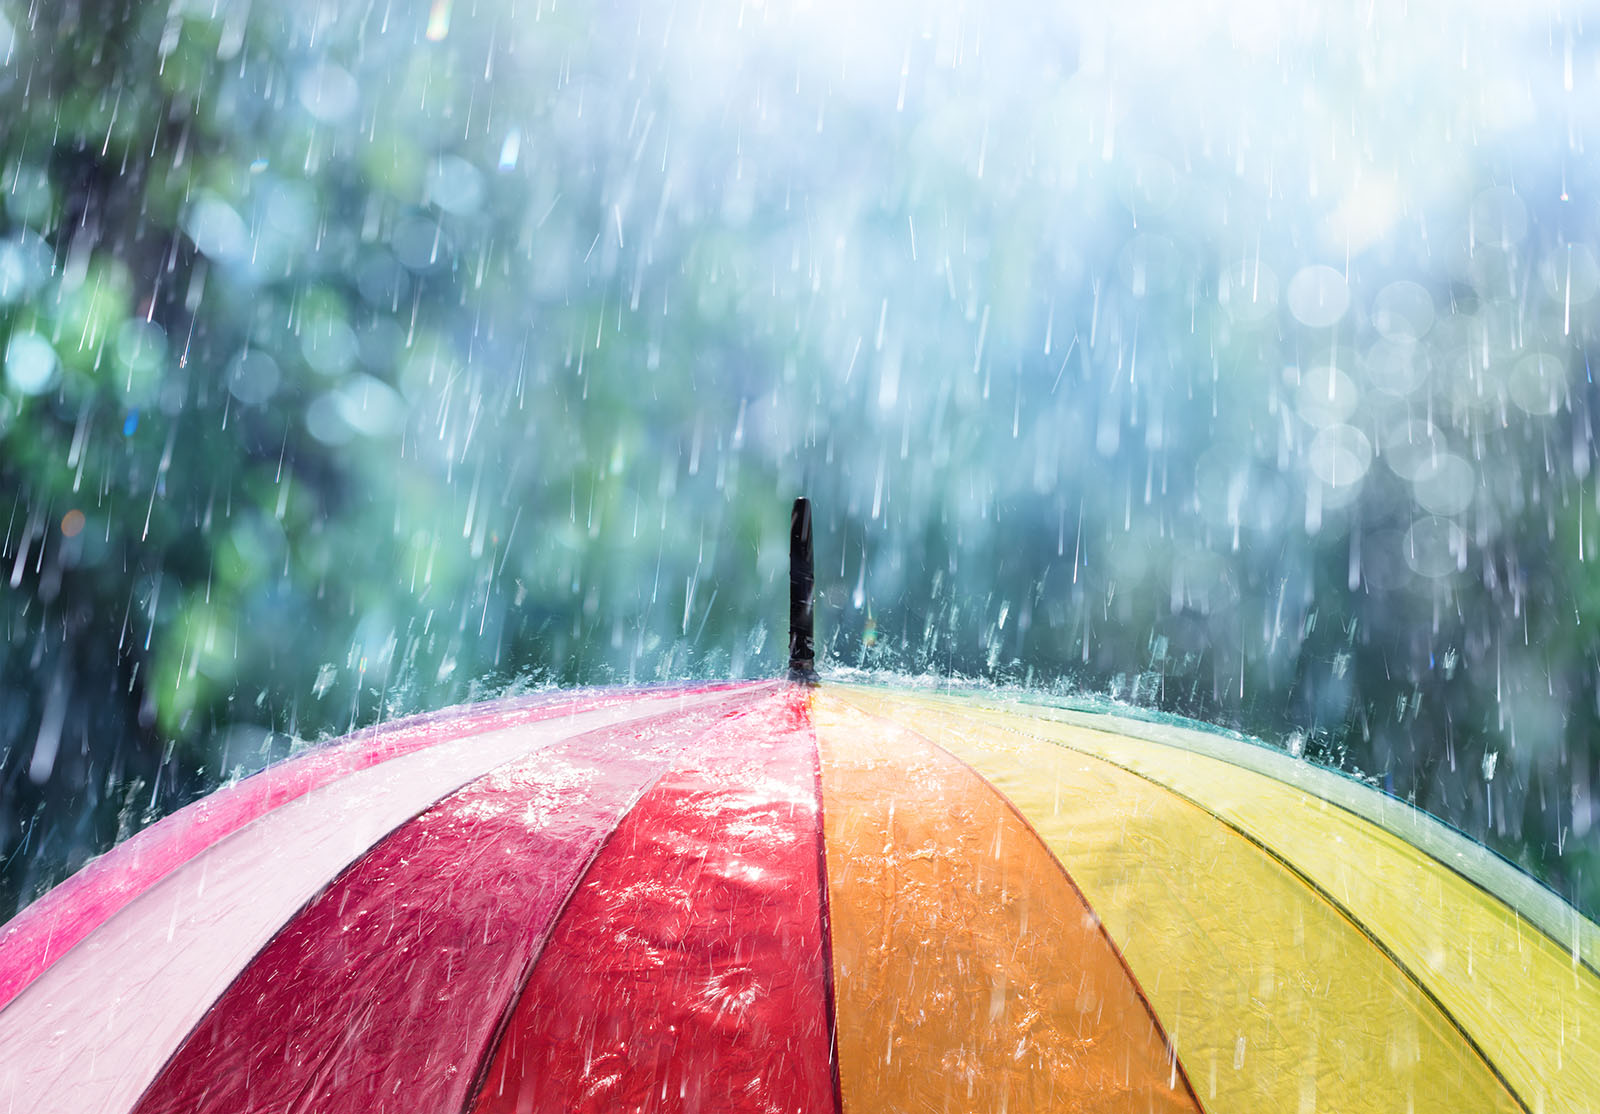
<point>1228,359</point>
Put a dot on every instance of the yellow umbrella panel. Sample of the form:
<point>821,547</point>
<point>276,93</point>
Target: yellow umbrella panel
<point>1305,943</point>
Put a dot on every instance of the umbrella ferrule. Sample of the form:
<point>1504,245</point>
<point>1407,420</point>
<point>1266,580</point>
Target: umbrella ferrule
<point>802,589</point>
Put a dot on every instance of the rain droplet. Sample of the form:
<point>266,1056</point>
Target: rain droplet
<point>330,347</point>
<point>455,185</point>
<point>140,351</point>
<point>1402,311</point>
<point>1409,446</point>
<point>1571,274</point>
<point>24,265</point>
<point>216,229</point>
<point>1327,396</point>
<point>510,148</point>
<point>419,244</point>
<point>1248,290</point>
<point>1397,366</point>
<point>370,406</point>
<point>439,20</point>
<point>1340,456</point>
<point>28,197</point>
<point>253,377</point>
<point>1538,383</point>
<point>1318,296</point>
<point>328,92</point>
<point>1444,484</point>
<point>1434,547</point>
<point>31,363</point>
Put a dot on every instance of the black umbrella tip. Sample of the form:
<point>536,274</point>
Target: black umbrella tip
<point>802,588</point>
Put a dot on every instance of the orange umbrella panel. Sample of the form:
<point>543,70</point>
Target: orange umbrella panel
<point>970,973</point>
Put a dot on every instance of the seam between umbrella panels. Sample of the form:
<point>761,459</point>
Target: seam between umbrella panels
<point>486,1057</point>
<point>825,910</point>
<point>1521,914</point>
<point>1337,905</point>
<point>1133,980</point>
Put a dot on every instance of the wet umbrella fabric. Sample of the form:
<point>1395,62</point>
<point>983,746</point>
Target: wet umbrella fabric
<point>775,898</point>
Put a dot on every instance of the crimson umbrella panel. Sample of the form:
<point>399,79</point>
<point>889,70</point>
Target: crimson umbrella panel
<point>769,897</point>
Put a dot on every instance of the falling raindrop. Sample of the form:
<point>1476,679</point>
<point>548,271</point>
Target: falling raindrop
<point>31,363</point>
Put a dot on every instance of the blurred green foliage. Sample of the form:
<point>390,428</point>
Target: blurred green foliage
<point>390,367</point>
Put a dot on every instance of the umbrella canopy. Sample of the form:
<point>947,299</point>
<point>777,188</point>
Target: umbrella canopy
<point>774,897</point>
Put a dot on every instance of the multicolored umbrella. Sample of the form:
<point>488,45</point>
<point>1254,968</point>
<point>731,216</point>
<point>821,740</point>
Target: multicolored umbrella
<point>774,897</point>
<point>768,897</point>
